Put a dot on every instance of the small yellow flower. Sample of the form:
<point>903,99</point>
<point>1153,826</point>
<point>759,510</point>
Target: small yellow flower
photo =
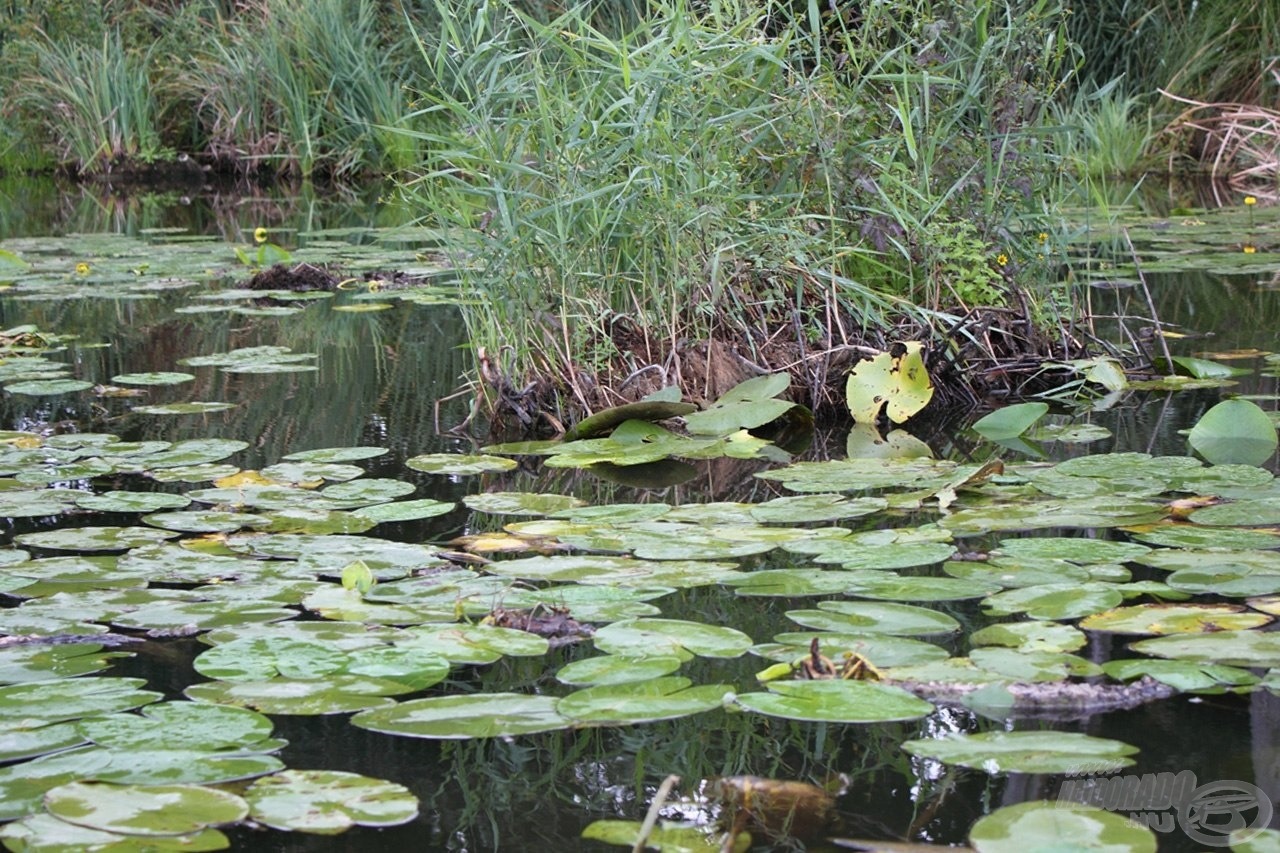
<point>1002,259</point>
<point>82,268</point>
<point>1249,250</point>
<point>259,235</point>
<point>1250,200</point>
<point>1042,237</point>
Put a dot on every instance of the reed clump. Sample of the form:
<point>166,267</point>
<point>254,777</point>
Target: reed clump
<point>724,189</point>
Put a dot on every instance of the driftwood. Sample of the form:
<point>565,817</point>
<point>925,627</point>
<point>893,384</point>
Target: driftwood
<point>1056,699</point>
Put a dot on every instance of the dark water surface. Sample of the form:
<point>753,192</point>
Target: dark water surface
<point>379,379</point>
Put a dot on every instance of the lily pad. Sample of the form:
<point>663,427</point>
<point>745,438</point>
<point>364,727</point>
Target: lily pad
<point>1026,752</point>
<point>479,715</point>
<point>193,407</point>
<point>118,501</point>
<point>837,701</point>
<point>664,698</point>
<point>1174,619</point>
<point>94,538</point>
<point>875,617</point>
<point>748,405</point>
<point>1234,431</point>
<point>48,387</point>
<point>61,699</point>
<point>144,810</point>
<point>1041,824</point>
<point>44,833</point>
<point>895,381</point>
<point>617,669</point>
<point>334,694</point>
<point>1010,421</point>
<point>520,503</point>
<point>1055,600</point>
<point>643,637</point>
<point>327,802</point>
<point>160,378</point>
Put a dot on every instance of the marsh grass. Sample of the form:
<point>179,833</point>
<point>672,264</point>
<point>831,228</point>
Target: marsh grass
<point>96,102</point>
<point>717,193</point>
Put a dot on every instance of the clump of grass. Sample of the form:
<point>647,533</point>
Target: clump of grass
<point>730,175</point>
<point>96,102</point>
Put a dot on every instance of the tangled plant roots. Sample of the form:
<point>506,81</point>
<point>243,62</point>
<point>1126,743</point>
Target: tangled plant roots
<point>1237,143</point>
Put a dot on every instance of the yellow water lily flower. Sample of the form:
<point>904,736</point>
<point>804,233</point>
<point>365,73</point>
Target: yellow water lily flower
<point>1250,200</point>
<point>259,235</point>
<point>1249,250</point>
<point>82,268</point>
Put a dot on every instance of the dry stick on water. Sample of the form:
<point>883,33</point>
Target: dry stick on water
<point>1151,305</point>
<point>651,818</point>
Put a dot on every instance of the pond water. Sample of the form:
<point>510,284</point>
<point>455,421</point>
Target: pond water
<point>380,365</point>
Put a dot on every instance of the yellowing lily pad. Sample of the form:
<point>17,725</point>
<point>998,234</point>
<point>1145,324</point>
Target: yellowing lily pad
<point>327,802</point>
<point>895,381</point>
<point>1174,619</point>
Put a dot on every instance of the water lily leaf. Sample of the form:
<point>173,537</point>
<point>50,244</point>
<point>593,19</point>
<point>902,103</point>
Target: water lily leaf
<point>898,555</point>
<point>334,694</point>
<point>876,618</point>
<point>473,644</point>
<point>613,513</point>
<point>369,490</point>
<point>643,637</point>
<point>838,701</point>
<point>193,407</point>
<point>520,503</point>
<point>339,635</point>
<point>865,441</point>
<point>589,603</point>
<point>459,464</point>
<point>320,522</point>
<point>197,451</point>
<point>344,605</point>
<point>327,802</point>
<point>182,725</point>
<point>1240,513</point>
<point>665,698</point>
<point>48,387</point>
<point>1234,431</point>
<point>56,700</point>
<point>1026,752</point>
<point>1042,824</point>
<point>93,538</point>
<point>789,583</point>
<point>306,474</point>
<point>748,405</point>
<point>199,615</point>
<point>404,510</point>
<point>336,454</point>
<point>881,650</point>
<point>1018,573</point>
<point>193,473</point>
<point>1232,582</point>
<point>859,474</point>
<point>144,810</point>
<point>645,410</point>
<point>1234,648</point>
<point>1174,619</point>
<point>44,833</point>
<point>118,501</point>
<point>1199,368</point>
<point>22,741</point>
<point>1055,600</point>
<point>890,586</point>
<point>469,716</point>
<point>1031,636</point>
<point>1010,421</point>
<point>896,381</point>
<point>21,663</point>
<point>817,507</point>
<point>205,522</point>
<point>617,669</point>
<point>1075,549</point>
<point>1185,676</point>
<point>133,766</point>
<point>152,378</point>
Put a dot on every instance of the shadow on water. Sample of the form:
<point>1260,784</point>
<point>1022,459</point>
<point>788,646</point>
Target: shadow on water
<point>378,379</point>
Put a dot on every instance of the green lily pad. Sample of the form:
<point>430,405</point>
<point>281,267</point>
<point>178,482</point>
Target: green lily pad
<point>44,833</point>
<point>135,766</point>
<point>1031,636</point>
<point>889,586</point>
<point>1026,752</point>
<point>23,663</point>
<point>93,538</point>
<point>876,618</point>
<point>1184,676</point>
<point>479,715</point>
<point>1174,619</point>
<point>1055,600</point>
<point>1077,550</point>
<point>474,644</point>
<point>748,405</point>
<point>520,503</point>
<point>1010,421</point>
<point>1042,824</point>
<point>327,802</point>
<point>152,378</point>
<point>665,698</point>
<point>644,637</point>
<point>1234,648</point>
<point>1195,536</point>
<point>334,694</point>
<point>667,837</point>
<point>404,510</point>
<point>22,742</point>
<point>117,501</point>
<point>880,650</point>
<point>61,699</point>
<point>459,464</point>
<point>837,701</point>
<point>1234,432</point>
<point>617,669</point>
<point>369,490</point>
<point>335,454</point>
<point>48,387</point>
<point>182,725</point>
<point>790,583</point>
<point>297,473</point>
<point>144,810</point>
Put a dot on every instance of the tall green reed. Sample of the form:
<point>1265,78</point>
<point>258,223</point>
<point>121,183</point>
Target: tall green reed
<point>97,103</point>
